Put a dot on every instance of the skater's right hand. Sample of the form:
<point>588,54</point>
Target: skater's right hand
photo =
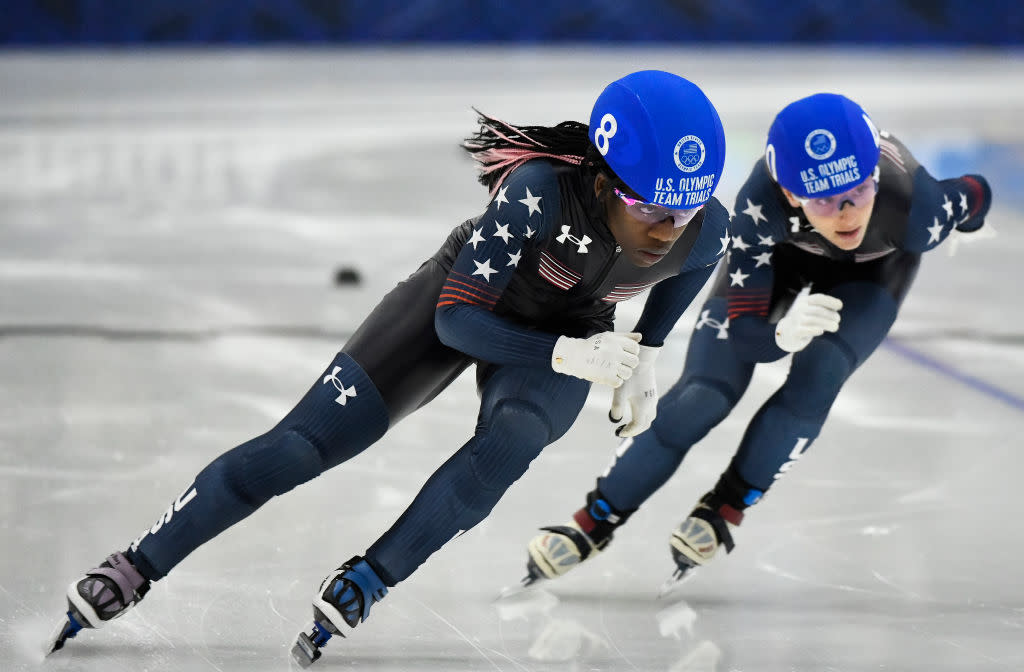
<point>607,358</point>
<point>810,315</point>
<point>639,394</point>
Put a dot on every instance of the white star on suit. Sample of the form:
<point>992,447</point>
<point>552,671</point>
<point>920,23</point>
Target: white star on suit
<point>529,231</point>
<point>763,259</point>
<point>475,238</point>
<point>947,205</point>
<point>484,269</point>
<point>501,198</point>
<point>738,277</point>
<point>513,259</point>
<point>935,232</point>
<point>963,203</point>
<point>754,211</point>
<point>738,243</point>
<point>767,241</point>
<point>502,232</point>
<point>531,202</point>
<point>724,240</point>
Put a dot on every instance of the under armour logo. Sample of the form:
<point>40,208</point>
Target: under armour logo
<point>345,392</point>
<point>706,319</point>
<point>573,239</point>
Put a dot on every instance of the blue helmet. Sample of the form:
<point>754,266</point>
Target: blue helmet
<point>661,135</point>
<point>821,145</point>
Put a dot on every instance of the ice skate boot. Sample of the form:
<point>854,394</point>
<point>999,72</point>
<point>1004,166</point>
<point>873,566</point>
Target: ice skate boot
<point>345,596</point>
<point>695,541</point>
<point>104,593</point>
<point>562,547</point>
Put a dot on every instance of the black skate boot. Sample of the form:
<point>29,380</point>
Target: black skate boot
<point>710,525</point>
<point>345,596</point>
<point>695,541</point>
<point>563,547</point>
<point>104,593</point>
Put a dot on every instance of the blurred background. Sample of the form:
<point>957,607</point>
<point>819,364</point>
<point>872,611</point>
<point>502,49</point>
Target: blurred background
<point>673,22</point>
<point>199,202</point>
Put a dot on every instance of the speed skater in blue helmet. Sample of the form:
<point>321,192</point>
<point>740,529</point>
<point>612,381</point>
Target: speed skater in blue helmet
<point>823,152</point>
<point>525,290</point>
<point>661,135</point>
<point>655,147</point>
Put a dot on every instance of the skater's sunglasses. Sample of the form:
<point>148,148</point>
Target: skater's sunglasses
<point>828,206</point>
<point>649,213</point>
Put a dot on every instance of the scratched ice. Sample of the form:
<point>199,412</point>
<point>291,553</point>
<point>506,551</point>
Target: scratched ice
<point>169,241</point>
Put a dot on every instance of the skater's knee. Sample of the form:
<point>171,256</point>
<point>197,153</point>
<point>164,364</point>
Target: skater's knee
<point>817,375</point>
<point>690,410</point>
<point>516,433</point>
<point>276,465</point>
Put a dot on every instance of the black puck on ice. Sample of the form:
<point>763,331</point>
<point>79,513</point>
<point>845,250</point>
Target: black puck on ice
<point>346,275</point>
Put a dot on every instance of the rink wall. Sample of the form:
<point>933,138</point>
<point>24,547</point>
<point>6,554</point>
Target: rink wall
<point>134,22</point>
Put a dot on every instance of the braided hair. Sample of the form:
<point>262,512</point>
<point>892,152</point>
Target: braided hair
<point>499,148</point>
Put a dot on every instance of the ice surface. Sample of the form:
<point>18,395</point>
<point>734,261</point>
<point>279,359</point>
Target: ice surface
<point>170,226</point>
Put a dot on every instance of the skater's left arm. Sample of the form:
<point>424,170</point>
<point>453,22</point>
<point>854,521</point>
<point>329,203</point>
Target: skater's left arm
<point>938,209</point>
<point>522,212</point>
<point>758,226</point>
<point>941,208</point>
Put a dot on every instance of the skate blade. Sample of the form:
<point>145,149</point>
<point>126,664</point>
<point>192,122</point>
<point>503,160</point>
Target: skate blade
<point>304,651</point>
<point>64,631</point>
<point>520,588</point>
<point>672,584</point>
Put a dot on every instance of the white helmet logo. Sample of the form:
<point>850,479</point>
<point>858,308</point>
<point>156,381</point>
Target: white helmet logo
<point>820,144</point>
<point>689,153</point>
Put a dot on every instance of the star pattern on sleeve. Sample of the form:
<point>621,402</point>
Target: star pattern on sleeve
<point>500,198</point>
<point>724,240</point>
<point>476,238</point>
<point>531,202</point>
<point>765,241</point>
<point>963,203</point>
<point>484,269</point>
<point>763,259</point>
<point>738,277</point>
<point>947,205</point>
<point>753,210</point>
<point>488,261</point>
<point>935,232</point>
<point>739,244</point>
<point>502,231</point>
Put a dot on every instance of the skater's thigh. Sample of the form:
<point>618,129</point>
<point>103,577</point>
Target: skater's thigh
<point>397,347</point>
<point>711,356</point>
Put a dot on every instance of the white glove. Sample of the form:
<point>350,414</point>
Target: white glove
<point>607,358</point>
<point>640,392</point>
<point>810,315</point>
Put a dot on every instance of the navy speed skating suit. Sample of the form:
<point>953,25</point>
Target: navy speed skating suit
<point>539,262</point>
<point>774,253</point>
